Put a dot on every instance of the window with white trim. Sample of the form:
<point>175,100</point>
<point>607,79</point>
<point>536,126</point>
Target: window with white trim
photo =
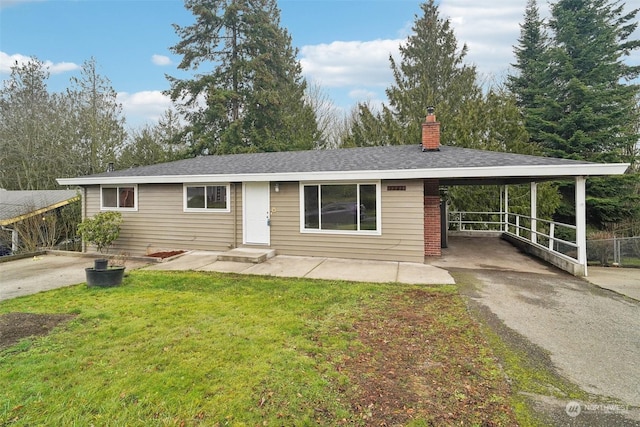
<point>206,198</point>
<point>124,197</point>
<point>341,208</point>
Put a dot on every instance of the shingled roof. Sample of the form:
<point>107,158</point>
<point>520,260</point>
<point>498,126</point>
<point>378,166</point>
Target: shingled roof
<point>380,162</point>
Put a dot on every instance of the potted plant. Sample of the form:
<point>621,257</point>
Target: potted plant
<point>101,231</point>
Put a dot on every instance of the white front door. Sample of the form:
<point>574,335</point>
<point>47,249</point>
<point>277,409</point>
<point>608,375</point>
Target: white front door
<point>256,213</point>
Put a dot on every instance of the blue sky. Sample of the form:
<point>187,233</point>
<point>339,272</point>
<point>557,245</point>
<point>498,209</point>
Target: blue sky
<point>344,44</point>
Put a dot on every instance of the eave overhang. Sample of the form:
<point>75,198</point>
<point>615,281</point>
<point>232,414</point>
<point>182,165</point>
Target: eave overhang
<point>500,173</point>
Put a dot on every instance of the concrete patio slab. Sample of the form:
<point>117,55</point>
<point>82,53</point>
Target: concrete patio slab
<point>315,268</point>
<point>226,267</point>
<point>286,266</point>
<point>487,253</point>
<point>355,270</point>
<point>189,261</point>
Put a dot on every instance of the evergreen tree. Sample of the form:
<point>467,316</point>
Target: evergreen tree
<point>153,144</point>
<point>529,84</point>
<point>591,111</point>
<point>432,71</point>
<point>253,98</point>
<point>368,128</point>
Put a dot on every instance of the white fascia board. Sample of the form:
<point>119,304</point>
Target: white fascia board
<point>589,169</point>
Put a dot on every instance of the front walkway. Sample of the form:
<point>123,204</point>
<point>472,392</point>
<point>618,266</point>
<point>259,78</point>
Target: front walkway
<point>315,268</point>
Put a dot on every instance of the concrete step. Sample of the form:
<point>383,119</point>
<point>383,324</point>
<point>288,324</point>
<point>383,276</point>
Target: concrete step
<point>249,255</point>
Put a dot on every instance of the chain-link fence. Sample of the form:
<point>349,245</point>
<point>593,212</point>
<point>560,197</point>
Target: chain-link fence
<point>621,251</point>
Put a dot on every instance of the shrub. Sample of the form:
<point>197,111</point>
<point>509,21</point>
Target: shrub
<point>101,230</point>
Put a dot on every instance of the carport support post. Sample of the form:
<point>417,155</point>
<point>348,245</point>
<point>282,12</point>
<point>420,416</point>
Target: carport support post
<point>534,212</point>
<point>506,208</point>
<point>581,222</point>
<point>15,240</point>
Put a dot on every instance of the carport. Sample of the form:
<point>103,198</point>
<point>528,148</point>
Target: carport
<point>531,234</point>
<point>21,205</point>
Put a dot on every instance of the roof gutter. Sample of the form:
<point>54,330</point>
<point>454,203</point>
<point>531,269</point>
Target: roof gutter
<point>537,171</point>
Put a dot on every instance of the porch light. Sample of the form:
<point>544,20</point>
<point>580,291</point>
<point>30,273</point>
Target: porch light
<point>277,187</point>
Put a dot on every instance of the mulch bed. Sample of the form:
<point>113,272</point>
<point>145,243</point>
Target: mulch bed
<point>167,254</point>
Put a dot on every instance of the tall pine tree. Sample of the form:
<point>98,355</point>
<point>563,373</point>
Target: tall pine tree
<point>252,98</point>
<point>592,108</point>
<point>432,71</point>
<point>591,111</point>
<point>529,84</point>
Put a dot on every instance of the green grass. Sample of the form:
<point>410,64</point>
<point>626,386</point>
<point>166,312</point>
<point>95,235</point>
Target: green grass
<point>184,348</point>
<point>215,349</point>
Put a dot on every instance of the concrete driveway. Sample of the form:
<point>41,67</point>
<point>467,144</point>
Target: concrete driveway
<point>588,334</point>
<point>44,272</point>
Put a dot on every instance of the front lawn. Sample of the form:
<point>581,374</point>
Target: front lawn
<point>213,349</point>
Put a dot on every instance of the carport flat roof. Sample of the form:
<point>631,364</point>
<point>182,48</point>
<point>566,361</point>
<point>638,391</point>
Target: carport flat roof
<point>22,204</point>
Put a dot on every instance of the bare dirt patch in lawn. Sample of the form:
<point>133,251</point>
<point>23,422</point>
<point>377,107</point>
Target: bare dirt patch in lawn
<point>423,359</point>
<point>16,326</point>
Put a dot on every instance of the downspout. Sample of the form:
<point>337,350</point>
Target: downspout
<point>235,215</point>
<point>84,213</point>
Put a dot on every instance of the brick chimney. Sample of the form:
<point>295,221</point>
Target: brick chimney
<point>430,132</point>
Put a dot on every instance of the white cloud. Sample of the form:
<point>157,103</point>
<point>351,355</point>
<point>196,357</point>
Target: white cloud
<point>143,107</point>
<point>489,30</point>
<point>61,67</point>
<point>7,61</point>
<point>347,63</point>
<point>161,60</point>
<point>363,94</point>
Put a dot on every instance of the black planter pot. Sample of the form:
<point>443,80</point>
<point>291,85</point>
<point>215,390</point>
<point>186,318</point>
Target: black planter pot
<point>100,264</point>
<point>112,276</point>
